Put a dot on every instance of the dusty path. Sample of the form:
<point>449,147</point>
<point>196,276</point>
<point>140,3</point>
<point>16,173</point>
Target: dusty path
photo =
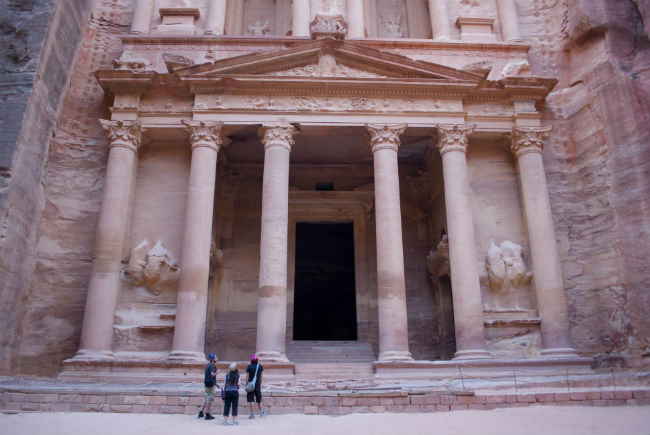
<point>533,420</point>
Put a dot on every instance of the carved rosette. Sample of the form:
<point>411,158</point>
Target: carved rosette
<point>205,134</point>
<point>125,134</point>
<point>277,134</point>
<point>453,137</point>
<point>529,139</point>
<point>385,136</point>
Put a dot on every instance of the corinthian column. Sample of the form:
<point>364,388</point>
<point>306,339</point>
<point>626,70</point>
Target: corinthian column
<point>391,292</point>
<point>527,145</point>
<point>272,289</point>
<point>439,19</point>
<point>300,12</point>
<point>466,291</point>
<point>216,20</point>
<point>97,330</point>
<point>142,14</point>
<point>509,20</point>
<point>192,299</point>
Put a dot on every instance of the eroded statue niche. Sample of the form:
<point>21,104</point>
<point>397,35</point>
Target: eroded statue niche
<point>156,269</point>
<point>506,268</point>
<point>391,23</point>
<point>438,260</point>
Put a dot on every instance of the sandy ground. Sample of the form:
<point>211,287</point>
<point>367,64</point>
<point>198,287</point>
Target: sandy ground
<point>533,420</point>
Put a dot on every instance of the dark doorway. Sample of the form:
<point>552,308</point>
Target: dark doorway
<point>324,293</point>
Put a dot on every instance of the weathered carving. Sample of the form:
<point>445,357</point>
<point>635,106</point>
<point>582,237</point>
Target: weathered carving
<point>126,134</point>
<point>385,136</point>
<point>277,134</point>
<point>506,268</point>
<point>453,137</point>
<point>483,67</point>
<point>156,269</point>
<point>518,68</point>
<point>135,64</point>
<point>205,134</point>
<point>216,258</point>
<point>173,61</point>
<point>327,67</point>
<point>328,26</point>
<point>392,27</point>
<point>258,28</point>
<point>529,139</point>
<point>438,260</point>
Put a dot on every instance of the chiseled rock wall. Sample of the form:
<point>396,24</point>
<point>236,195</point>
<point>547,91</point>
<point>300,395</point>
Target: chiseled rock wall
<point>598,164</point>
<point>40,41</point>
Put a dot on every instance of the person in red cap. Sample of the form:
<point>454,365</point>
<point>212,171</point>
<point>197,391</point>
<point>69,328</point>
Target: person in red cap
<point>254,386</point>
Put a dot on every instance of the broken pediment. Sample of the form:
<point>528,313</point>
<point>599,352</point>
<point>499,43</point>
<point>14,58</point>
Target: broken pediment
<point>328,58</point>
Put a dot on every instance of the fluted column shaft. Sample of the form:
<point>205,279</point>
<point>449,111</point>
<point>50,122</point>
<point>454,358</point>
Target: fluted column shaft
<point>272,289</point>
<point>509,20</point>
<point>527,146</point>
<point>466,291</point>
<point>103,287</point>
<point>192,298</point>
<point>439,19</point>
<point>216,17</point>
<point>300,13</point>
<point>142,14</point>
<point>356,26</point>
<point>391,292</point>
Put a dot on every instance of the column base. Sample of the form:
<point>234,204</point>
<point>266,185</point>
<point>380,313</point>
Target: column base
<point>559,352</point>
<point>395,355</point>
<point>186,356</point>
<point>472,354</point>
<point>272,356</point>
<point>93,355</point>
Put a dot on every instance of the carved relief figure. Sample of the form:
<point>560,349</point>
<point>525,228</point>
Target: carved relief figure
<point>156,269</point>
<point>392,26</point>
<point>506,268</point>
<point>259,28</point>
<point>438,261</point>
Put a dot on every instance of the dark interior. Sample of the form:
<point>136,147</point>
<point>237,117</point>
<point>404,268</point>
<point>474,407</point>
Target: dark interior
<point>324,292</point>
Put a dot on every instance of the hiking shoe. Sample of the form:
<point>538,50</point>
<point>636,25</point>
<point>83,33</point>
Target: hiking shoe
<point>225,423</point>
<point>252,416</point>
<point>262,413</point>
<point>209,417</point>
<point>201,414</point>
<point>234,423</point>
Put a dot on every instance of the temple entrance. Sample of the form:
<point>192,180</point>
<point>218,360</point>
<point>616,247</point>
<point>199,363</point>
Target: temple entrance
<point>324,289</point>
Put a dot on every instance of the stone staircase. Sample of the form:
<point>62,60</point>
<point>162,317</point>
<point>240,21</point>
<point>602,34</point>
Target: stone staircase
<point>326,361</point>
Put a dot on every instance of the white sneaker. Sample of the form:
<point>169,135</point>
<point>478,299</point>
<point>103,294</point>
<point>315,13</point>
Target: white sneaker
<point>262,413</point>
<point>252,416</point>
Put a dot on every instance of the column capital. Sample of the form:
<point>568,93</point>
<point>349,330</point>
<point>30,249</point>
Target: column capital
<point>205,134</point>
<point>385,136</point>
<point>529,139</point>
<point>453,137</point>
<point>277,134</point>
<point>125,134</point>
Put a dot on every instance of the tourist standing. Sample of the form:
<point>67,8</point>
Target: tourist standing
<point>210,386</point>
<point>254,386</point>
<point>231,388</point>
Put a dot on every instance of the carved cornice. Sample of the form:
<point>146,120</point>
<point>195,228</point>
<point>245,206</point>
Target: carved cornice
<point>125,81</point>
<point>277,134</point>
<point>124,134</point>
<point>385,136</point>
<point>453,137</point>
<point>205,134</point>
<point>529,139</point>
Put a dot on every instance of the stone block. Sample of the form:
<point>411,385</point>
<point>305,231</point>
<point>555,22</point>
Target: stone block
<point>197,401</point>
<point>301,401</point>
<point>93,407</point>
<point>60,407</point>
<point>432,400</point>
<point>70,398</point>
<point>622,394</point>
<point>115,399</point>
<point>418,400</point>
<point>607,394</point>
<point>545,397</point>
<point>29,406</point>
<point>135,399</point>
<point>310,410</point>
<point>394,408</point>
<point>458,407</point>
<point>526,398</point>
<point>495,398</point>
<point>137,408</point>
<point>447,399</point>
<point>96,399</point>
<point>189,409</point>
<point>358,409</point>
<point>640,394</point>
<point>562,397</point>
<point>348,401</point>
<point>157,400</point>
<point>578,395</point>
<point>173,400</point>
<point>411,408</point>
<point>638,402</point>
<point>593,395</point>
<point>172,409</point>
<point>77,407</point>
<point>377,408</point>
<point>151,409</point>
<point>465,400</point>
<point>328,410</point>
<point>368,401</point>
<point>38,397</point>
<point>50,398</point>
<point>442,408</point>
<point>122,408</point>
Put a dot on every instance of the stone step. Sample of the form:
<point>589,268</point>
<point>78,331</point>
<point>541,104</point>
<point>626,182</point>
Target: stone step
<point>339,371</point>
<point>330,351</point>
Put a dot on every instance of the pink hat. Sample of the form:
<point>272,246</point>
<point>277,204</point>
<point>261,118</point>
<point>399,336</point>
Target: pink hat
<point>253,358</point>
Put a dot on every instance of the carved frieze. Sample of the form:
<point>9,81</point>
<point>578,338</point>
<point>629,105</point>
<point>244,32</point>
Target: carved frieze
<point>327,67</point>
<point>325,104</point>
<point>529,139</point>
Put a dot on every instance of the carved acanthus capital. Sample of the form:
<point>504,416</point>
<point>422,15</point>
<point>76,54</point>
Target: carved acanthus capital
<point>385,136</point>
<point>453,137</point>
<point>529,139</point>
<point>125,134</point>
<point>277,134</point>
<point>205,134</point>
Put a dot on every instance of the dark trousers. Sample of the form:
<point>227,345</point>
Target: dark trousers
<point>232,398</point>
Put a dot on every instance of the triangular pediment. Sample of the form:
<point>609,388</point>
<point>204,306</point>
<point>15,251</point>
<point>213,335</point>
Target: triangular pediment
<point>327,58</point>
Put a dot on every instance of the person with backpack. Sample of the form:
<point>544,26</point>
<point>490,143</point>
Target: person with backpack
<point>210,386</point>
<point>254,386</point>
<point>231,387</point>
